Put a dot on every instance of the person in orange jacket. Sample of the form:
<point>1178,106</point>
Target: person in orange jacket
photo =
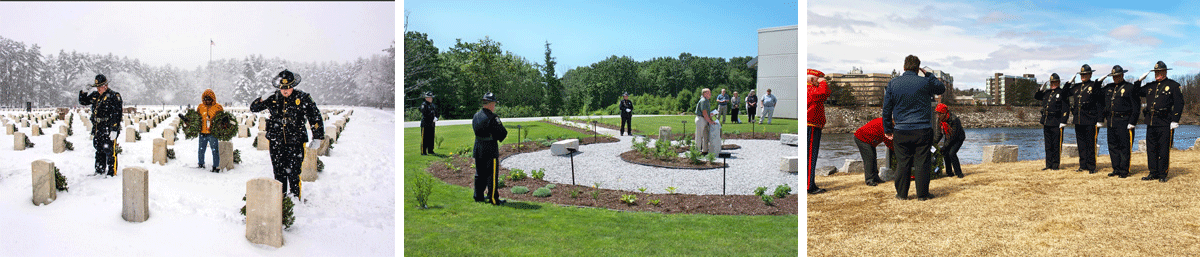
<point>207,109</point>
<point>818,91</point>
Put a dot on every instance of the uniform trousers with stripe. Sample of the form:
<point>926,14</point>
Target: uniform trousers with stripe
<point>1158,155</point>
<point>106,156</point>
<point>286,160</point>
<point>814,147</point>
<point>1054,138</point>
<point>1120,143</point>
<point>1085,136</point>
<point>486,171</point>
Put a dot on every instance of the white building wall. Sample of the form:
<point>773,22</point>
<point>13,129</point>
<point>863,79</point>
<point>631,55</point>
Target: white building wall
<point>778,68</point>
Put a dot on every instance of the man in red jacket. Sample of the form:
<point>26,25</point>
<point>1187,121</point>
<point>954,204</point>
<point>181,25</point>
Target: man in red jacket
<point>817,93</point>
<point>867,138</point>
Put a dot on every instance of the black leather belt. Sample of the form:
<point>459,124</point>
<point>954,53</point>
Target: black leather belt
<point>485,139</point>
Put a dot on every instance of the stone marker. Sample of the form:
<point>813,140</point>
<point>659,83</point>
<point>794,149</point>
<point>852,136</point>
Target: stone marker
<point>1070,151</point>
<point>159,154</point>
<point>262,124</point>
<point>999,153</point>
<point>243,131</point>
<point>129,137</point>
<point>852,166</point>
<point>264,212</point>
<point>35,131</point>
<point>62,129</point>
<point>18,141</point>
<point>44,190</point>
<point>790,164</point>
<point>323,149</point>
<point>308,168</point>
<point>9,129</point>
<point>789,139</point>
<point>135,194</point>
<point>664,133</point>
<point>169,135</point>
<point>263,143</point>
<point>60,143</point>
<point>560,147</point>
<point>887,174</point>
<point>1141,147</point>
<point>226,149</point>
<point>1195,145</point>
<point>825,171</point>
<point>142,127</point>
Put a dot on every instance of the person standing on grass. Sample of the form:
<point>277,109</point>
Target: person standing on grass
<point>208,109</point>
<point>703,120</point>
<point>722,106</point>
<point>1120,114</point>
<point>818,91</point>
<point>1089,102</point>
<point>428,124</point>
<point>768,105</point>
<point>488,133</point>
<point>1164,107</point>
<point>626,114</point>
<point>751,106</point>
<point>908,121</point>
<point>1056,108</point>
<point>950,128</point>
<point>867,138</point>
<point>735,103</point>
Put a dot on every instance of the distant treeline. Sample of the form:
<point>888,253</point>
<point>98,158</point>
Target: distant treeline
<point>458,76</point>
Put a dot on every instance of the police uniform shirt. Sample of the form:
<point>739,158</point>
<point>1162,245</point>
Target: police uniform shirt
<point>1164,102</point>
<point>488,133</point>
<point>106,109</point>
<point>1121,104</point>
<point>1055,106</point>
<point>1088,102</point>
<point>288,115</point>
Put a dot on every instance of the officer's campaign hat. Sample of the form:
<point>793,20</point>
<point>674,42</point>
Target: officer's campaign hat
<point>287,79</point>
<point>428,94</point>
<point>1160,66</point>
<point>1054,77</point>
<point>1117,70</point>
<point>1086,69</point>
<point>100,81</point>
<point>489,97</point>
<point>625,94</point>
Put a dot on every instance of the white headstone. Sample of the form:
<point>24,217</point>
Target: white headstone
<point>262,124</point>
<point>9,129</point>
<point>1070,151</point>
<point>142,127</point>
<point>18,141</point>
<point>44,190</point>
<point>664,133</point>
<point>62,129</point>
<point>226,149</point>
<point>129,135</point>
<point>159,154</point>
<point>135,196</point>
<point>35,131</point>
<point>264,212</point>
<point>308,168</point>
<point>263,143</point>
<point>1141,147</point>
<point>169,135</point>
<point>243,131</point>
<point>60,143</point>
<point>323,150</point>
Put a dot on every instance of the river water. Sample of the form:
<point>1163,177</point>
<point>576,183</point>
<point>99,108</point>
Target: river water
<point>836,148</point>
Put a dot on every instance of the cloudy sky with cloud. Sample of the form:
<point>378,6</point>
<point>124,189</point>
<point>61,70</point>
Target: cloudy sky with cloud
<point>971,40</point>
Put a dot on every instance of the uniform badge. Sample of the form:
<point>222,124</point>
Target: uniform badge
<point>297,101</point>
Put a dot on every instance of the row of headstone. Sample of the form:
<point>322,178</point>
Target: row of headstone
<point>135,199</point>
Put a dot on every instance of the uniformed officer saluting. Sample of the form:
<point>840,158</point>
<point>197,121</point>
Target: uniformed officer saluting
<point>291,112</point>
<point>1089,100</point>
<point>489,132</point>
<point>428,118</point>
<point>1164,106</point>
<point>626,115</point>
<point>1121,104</point>
<point>106,123</point>
<point>1055,110</point>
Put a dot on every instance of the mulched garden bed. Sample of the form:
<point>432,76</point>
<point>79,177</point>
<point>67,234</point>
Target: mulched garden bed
<point>461,173</point>
<point>634,157</point>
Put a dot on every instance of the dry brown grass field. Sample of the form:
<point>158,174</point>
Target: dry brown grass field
<point>1014,209</point>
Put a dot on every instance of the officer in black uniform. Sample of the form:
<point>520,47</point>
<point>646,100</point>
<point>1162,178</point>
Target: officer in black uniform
<point>1055,111</point>
<point>106,123</point>
<point>1089,100</point>
<point>626,115</point>
<point>489,132</point>
<point>428,118</point>
<point>1120,114</point>
<point>1164,106</point>
<point>292,111</point>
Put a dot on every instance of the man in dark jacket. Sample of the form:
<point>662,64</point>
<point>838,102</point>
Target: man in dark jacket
<point>1055,110</point>
<point>1164,106</point>
<point>106,124</point>
<point>626,114</point>
<point>428,118</point>
<point>908,121</point>
<point>949,127</point>
<point>1089,102</point>
<point>1120,114</point>
<point>291,112</point>
<point>489,132</point>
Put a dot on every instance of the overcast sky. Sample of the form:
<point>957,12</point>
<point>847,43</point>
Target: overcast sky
<point>178,33</point>
<point>586,32</point>
<point>973,39</point>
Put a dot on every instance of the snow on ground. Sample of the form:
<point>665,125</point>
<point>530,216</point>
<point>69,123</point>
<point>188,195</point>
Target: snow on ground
<point>349,211</point>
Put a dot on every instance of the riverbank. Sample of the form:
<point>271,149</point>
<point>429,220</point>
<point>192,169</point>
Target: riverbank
<point>846,120</point>
<point>1014,209</point>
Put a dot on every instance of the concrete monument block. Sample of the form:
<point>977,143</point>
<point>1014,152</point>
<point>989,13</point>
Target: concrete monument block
<point>1141,147</point>
<point>159,154</point>
<point>135,196</point>
<point>790,164</point>
<point>169,135</point>
<point>129,135</point>
<point>264,212</point>
<point>60,143</point>
<point>1070,151</point>
<point>226,149</point>
<point>664,133</point>
<point>852,166</point>
<point>323,149</point>
<point>560,147</point>
<point>887,174</point>
<point>332,133</point>
<point>999,153</point>
<point>825,171</point>
<point>18,141</point>
<point>243,131</point>
<point>263,143</point>
<point>35,131</point>
<point>9,129</point>
<point>142,127</point>
<point>44,190</point>
<point>789,139</point>
<point>308,168</point>
<point>262,124</point>
<point>24,123</point>
<point>62,129</point>
<point>1195,145</point>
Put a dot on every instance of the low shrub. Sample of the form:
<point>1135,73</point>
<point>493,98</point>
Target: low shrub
<point>629,199</point>
<point>760,191</point>
<point>520,190</point>
<point>422,188</point>
<point>538,174</point>
<point>542,192</point>
<point>783,191</point>
<point>768,200</point>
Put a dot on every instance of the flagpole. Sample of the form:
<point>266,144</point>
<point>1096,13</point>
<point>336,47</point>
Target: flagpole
<point>210,45</point>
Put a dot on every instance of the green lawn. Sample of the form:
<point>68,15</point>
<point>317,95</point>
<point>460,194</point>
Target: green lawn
<point>457,226</point>
<point>650,125</point>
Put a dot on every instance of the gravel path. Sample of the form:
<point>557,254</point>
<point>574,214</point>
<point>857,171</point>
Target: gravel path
<point>755,164</point>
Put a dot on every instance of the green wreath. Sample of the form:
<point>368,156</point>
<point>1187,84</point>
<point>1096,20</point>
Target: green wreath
<point>223,127</point>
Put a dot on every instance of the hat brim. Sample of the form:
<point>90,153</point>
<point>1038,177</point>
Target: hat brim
<point>1160,69</point>
<point>100,84</point>
<point>1085,72</point>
